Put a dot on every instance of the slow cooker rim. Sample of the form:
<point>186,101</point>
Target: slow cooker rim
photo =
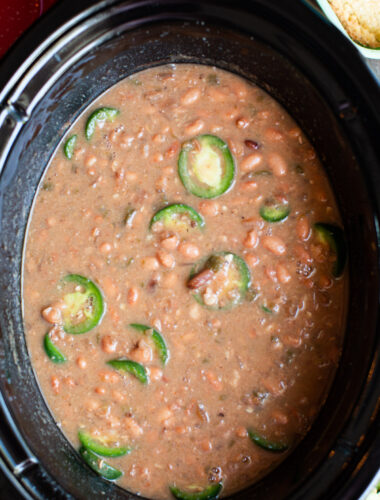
<point>103,4</point>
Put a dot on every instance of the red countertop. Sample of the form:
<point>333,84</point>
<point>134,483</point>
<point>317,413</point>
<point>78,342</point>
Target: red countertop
<point>16,16</point>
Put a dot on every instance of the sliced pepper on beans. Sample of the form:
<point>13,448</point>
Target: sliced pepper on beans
<point>132,367</point>
<point>157,338</point>
<point>103,450</point>
<point>265,443</point>
<point>210,493</point>
<point>100,115</point>
<point>230,275</point>
<point>333,236</point>
<point>52,350</point>
<point>84,306</point>
<point>178,217</point>
<point>98,465</point>
<point>206,166</point>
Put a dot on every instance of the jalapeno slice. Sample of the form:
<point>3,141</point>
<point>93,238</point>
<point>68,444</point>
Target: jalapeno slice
<point>52,350</point>
<point>157,338</point>
<point>69,146</point>
<point>100,115</point>
<point>274,212</point>
<point>209,493</point>
<point>103,450</point>
<point>98,465</point>
<point>132,367</point>
<point>266,444</point>
<point>178,217</point>
<point>84,307</point>
<point>333,236</point>
<point>221,281</point>
<point>206,166</point>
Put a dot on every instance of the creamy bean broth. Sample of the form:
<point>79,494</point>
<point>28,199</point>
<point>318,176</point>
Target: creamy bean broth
<point>240,283</point>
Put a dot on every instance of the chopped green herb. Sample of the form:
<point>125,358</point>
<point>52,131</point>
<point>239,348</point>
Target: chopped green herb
<point>266,309</point>
<point>262,172</point>
<point>48,186</point>
<point>213,79</point>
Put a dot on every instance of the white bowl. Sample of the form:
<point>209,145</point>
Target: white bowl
<point>333,18</point>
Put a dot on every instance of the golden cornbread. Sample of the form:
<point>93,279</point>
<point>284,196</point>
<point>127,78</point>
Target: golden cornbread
<point>361,20</point>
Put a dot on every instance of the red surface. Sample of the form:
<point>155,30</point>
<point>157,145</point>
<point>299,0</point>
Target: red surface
<point>16,16</point>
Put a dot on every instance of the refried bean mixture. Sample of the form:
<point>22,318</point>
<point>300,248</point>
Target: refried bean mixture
<point>184,283</point>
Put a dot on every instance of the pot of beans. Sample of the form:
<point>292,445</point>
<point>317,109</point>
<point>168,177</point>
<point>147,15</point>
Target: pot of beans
<point>189,254</point>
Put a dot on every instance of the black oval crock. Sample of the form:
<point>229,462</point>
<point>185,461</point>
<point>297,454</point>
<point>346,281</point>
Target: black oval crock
<point>75,53</point>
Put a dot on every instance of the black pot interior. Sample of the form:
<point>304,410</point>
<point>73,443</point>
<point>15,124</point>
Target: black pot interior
<point>325,111</point>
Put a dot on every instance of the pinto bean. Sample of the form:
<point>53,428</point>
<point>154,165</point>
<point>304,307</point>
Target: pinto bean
<point>280,417</point>
<point>169,280</point>
<point>132,427</point>
<point>155,374</point>
<point>142,353</point>
<point>166,259</point>
<point>108,344</point>
<point>274,244</point>
<point>157,157</point>
<point>214,380</point>
<point>190,97</point>
<point>242,122</point>
<point>109,377</point>
<point>170,243</point>
<point>278,164</point>
<point>90,161</point>
<point>248,186</point>
<point>241,432</point>
<point>251,259</point>
<point>209,208</point>
<point>132,295</point>
<point>172,150</point>
<point>194,127</point>
<point>251,240</point>
<point>272,134</point>
<point>283,274</point>
<point>81,362</point>
<point>55,383</point>
<point>250,162</point>
<point>188,250</point>
<point>105,247</point>
<point>150,263</point>
<point>303,228</point>
<point>52,314</point>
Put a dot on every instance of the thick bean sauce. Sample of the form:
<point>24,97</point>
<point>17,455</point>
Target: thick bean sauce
<point>188,201</point>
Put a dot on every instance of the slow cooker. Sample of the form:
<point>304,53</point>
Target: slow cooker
<point>80,49</point>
